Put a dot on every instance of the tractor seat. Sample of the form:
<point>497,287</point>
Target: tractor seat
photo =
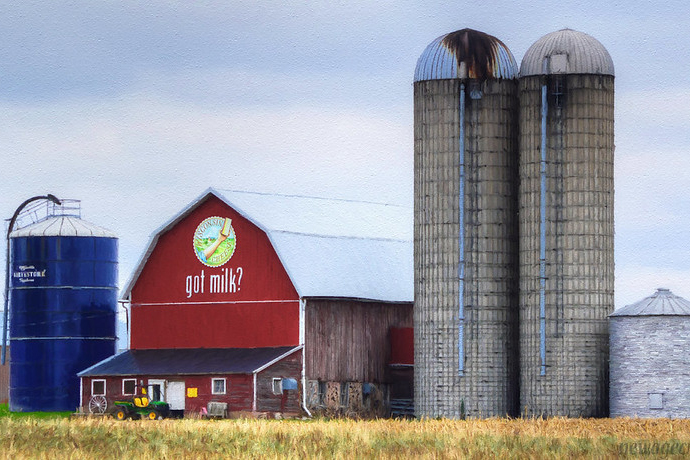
<point>141,402</point>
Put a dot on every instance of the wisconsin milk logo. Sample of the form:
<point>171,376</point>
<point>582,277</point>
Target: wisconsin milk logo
<point>214,241</point>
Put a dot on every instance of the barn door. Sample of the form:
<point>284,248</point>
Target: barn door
<point>176,395</point>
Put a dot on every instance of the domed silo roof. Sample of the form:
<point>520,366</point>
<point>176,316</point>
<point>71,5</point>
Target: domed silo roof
<point>662,303</point>
<point>63,226</point>
<point>576,52</point>
<point>466,53</point>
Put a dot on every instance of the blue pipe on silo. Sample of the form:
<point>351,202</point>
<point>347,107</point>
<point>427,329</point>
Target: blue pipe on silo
<point>542,227</point>
<point>461,236</point>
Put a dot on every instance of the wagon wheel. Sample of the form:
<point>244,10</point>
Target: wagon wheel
<point>98,405</point>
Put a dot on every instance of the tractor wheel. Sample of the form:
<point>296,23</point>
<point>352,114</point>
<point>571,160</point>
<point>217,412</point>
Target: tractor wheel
<point>120,414</point>
<point>154,415</point>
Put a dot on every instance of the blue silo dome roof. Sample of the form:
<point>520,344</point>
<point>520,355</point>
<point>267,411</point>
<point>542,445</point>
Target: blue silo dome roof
<point>578,53</point>
<point>663,302</point>
<point>466,53</point>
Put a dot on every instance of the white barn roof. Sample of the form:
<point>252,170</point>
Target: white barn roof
<point>329,247</point>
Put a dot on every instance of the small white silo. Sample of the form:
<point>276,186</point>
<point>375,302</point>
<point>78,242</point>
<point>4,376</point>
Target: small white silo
<point>649,359</point>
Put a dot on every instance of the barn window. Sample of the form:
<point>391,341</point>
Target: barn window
<point>277,386</point>
<point>323,392</point>
<point>98,387</point>
<point>344,394</point>
<point>129,386</point>
<point>218,386</point>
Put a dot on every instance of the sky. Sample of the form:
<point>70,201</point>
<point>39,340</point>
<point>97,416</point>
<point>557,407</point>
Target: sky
<point>135,108</point>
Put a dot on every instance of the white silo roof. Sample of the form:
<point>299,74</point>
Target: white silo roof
<point>63,226</point>
<point>663,302</point>
<point>578,53</point>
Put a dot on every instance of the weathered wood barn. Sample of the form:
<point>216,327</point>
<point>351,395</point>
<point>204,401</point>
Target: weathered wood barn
<point>268,303</point>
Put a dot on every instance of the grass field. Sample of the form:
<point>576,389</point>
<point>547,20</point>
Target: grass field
<point>77,438</point>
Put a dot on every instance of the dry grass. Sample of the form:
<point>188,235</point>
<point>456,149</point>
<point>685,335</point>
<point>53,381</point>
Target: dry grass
<point>248,438</point>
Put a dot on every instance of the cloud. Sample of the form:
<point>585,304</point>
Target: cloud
<point>136,160</point>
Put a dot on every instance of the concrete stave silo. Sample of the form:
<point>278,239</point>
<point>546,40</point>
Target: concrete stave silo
<point>566,225</point>
<point>465,242</point>
<point>63,304</point>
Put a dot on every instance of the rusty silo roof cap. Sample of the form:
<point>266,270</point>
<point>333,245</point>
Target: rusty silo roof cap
<point>578,53</point>
<point>484,57</point>
<point>662,303</point>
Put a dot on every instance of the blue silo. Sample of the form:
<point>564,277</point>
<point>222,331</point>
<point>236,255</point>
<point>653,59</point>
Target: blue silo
<point>63,306</point>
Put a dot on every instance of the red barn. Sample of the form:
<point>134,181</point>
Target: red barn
<point>266,303</point>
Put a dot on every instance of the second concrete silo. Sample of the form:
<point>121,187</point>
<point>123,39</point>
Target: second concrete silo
<point>465,227</point>
<point>566,224</point>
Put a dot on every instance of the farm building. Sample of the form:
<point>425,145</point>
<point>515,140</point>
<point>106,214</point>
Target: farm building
<point>268,303</point>
<point>650,367</point>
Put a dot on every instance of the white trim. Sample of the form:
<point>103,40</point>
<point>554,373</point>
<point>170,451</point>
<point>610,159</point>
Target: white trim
<point>123,387</point>
<point>271,363</point>
<point>137,304</point>
<point>105,387</point>
<point>302,319</point>
<point>213,385</point>
<point>163,384</point>
<point>81,393</point>
<point>279,380</point>
<point>302,340</point>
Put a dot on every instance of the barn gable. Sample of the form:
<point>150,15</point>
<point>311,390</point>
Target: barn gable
<point>240,297</point>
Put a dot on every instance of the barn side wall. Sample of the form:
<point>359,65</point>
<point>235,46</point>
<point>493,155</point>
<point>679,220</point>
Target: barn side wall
<point>347,348</point>
<point>289,401</point>
<point>238,396</point>
<point>354,332</point>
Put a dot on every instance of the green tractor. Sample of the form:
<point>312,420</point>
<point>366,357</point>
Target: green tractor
<point>140,407</point>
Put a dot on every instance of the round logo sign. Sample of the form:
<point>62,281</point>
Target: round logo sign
<point>214,241</point>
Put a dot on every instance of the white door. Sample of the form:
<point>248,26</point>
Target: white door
<point>176,396</point>
<point>156,390</point>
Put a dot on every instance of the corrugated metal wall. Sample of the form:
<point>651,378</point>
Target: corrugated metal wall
<point>649,355</point>
<point>572,346</point>
<point>483,382</point>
